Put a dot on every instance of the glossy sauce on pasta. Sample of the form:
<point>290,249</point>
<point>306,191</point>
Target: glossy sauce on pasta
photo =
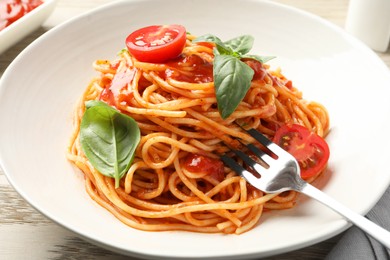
<point>176,181</point>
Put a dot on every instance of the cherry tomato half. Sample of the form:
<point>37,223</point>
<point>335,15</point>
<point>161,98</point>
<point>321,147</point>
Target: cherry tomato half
<point>157,43</point>
<point>310,150</point>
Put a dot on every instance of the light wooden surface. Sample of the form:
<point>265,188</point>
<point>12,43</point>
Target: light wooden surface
<point>26,234</point>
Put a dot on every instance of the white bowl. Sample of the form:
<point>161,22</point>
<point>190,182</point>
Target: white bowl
<point>39,90</point>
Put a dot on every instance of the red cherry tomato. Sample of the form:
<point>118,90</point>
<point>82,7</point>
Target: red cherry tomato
<point>310,150</point>
<point>30,5</point>
<point>157,43</point>
<point>12,10</point>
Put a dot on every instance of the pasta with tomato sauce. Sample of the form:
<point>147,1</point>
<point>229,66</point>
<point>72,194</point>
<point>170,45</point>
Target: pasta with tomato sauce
<point>175,179</point>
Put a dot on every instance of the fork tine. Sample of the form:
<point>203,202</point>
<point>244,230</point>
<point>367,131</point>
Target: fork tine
<point>253,164</point>
<point>239,169</point>
<point>274,148</point>
<point>260,154</point>
<point>259,137</point>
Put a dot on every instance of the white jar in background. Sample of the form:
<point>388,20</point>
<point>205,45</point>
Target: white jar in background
<point>369,21</point>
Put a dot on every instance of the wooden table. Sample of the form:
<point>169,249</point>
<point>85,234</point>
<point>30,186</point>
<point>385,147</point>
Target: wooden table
<point>26,234</point>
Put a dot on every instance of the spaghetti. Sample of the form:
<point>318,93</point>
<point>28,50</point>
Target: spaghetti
<point>176,181</point>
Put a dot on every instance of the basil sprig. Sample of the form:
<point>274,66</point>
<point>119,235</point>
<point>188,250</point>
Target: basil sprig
<point>108,139</point>
<point>232,77</point>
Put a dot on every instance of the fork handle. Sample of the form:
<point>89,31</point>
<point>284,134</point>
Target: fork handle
<point>378,233</point>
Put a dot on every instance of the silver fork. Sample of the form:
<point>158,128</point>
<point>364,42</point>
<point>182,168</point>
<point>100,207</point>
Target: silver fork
<point>283,173</point>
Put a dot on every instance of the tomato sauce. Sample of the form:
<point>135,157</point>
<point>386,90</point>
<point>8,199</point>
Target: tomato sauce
<point>110,98</point>
<point>258,68</point>
<point>113,89</point>
<point>200,72</point>
<point>261,72</point>
<point>12,10</point>
<point>196,70</point>
<point>202,164</point>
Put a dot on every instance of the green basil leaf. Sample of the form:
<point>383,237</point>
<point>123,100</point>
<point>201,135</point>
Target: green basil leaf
<point>241,45</point>
<point>223,50</point>
<point>109,139</point>
<point>232,79</point>
<point>208,38</point>
<point>122,51</point>
<point>262,59</point>
<point>221,47</point>
<point>92,103</point>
